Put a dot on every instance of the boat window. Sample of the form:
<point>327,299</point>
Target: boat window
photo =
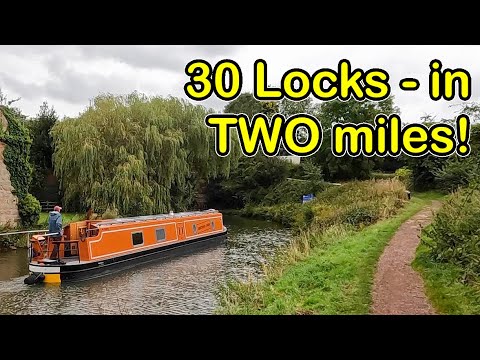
<point>194,228</point>
<point>213,225</point>
<point>160,234</point>
<point>137,238</point>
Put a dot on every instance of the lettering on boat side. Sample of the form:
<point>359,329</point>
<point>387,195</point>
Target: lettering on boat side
<point>204,226</point>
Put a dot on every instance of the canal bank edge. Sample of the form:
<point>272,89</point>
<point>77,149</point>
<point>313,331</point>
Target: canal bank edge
<point>335,277</point>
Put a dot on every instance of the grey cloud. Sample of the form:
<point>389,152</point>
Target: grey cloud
<point>69,86</point>
<point>216,50</point>
<point>55,64</point>
<point>213,103</point>
<point>77,88</point>
<point>66,84</point>
<point>169,57</point>
<point>29,49</point>
<point>27,90</point>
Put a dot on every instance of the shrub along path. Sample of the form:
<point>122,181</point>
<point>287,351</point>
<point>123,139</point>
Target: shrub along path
<point>398,289</point>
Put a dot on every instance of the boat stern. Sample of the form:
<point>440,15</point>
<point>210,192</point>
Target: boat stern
<point>43,273</point>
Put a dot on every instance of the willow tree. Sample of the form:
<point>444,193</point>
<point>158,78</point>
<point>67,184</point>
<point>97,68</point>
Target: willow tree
<point>138,154</point>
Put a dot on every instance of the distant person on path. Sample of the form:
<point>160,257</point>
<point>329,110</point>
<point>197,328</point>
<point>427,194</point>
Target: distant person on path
<point>55,227</point>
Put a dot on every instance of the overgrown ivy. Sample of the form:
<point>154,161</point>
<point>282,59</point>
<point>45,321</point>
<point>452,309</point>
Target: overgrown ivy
<point>16,154</point>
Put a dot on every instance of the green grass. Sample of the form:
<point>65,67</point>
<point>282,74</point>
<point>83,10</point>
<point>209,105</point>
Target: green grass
<point>66,218</point>
<point>447,293</point>
<point>335,278</point>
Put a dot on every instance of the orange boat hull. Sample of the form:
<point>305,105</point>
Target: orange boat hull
<point>92,249</point>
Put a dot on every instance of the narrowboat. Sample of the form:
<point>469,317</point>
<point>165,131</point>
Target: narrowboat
<point>93,248</point>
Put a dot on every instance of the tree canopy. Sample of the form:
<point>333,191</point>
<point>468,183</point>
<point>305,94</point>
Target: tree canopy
<point>41,151</point>
<point>137,154</point>
<point>350,111</point>
<point>245,104</point>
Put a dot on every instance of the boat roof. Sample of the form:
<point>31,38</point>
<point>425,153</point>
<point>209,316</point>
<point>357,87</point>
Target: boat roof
<point>153,217</point>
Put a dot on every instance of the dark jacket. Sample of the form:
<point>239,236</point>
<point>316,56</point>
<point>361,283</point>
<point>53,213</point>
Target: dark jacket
<point>55,223</point>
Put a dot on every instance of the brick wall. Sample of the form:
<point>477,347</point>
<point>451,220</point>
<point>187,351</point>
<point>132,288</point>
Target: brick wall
<point>8,202</point>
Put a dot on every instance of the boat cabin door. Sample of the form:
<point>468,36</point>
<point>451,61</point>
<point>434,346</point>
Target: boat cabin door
<point>181,231</point>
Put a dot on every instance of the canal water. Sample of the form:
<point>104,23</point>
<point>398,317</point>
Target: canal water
<point>185,284</point>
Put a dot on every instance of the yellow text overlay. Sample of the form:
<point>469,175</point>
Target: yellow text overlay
<point>269,134</point>
<point>302,135</point>
<point>387,137</point>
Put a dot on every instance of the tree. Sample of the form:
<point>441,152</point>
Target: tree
<point>138,154</point>
<point>4,101</point>
<point>449,173</point>
<point>471,109</point>
<point>351,111</point>
<point>289,107</point>
<point>455,171</point>
<point>244,104</point>
<point>254,177</point>
<point>249,182</point>
<point>42,146</point>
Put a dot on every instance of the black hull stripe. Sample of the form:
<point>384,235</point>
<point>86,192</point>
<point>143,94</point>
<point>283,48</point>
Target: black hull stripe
<point>104,267</point>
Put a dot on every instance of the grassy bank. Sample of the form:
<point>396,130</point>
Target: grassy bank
<point>322,272</point>
<point>445,288</point>
<point>449,256</point>
<point>355,203</point>
<point>67,218</point>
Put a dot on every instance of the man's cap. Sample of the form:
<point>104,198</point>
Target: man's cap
<point>57,208</point>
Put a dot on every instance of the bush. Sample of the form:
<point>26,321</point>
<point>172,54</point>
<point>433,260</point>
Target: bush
<point>456,173</point>
<point>360,216</point>
<point>357,203</point>
<point>10,240</point>
<point>249,183</point>
<point>405,175</point>
<point>381,175</point>
<point>29,209</point>
<point>454,235</point>
<point>424,169</point>
<point>291,191</point>
<point>306,178</point>
<point>290,215</point>
<point>110,213</point>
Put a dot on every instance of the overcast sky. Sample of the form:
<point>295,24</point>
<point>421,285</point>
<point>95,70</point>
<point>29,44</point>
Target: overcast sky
<point>69,76</point>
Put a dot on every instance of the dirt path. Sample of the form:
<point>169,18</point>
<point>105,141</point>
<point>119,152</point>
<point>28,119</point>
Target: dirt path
<point>397,288</point>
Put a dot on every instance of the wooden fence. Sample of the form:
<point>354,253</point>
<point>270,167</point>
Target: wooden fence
<point>47,205</point>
